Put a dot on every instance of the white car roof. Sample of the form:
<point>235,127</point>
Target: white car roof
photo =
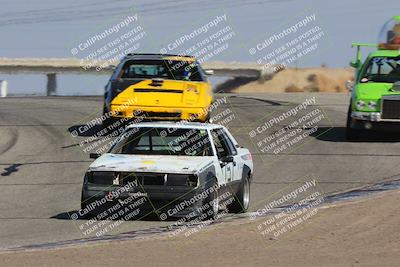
<point>183,125</point>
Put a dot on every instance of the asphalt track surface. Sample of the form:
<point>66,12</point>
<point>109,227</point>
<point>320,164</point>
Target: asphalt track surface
<point>42,165</point>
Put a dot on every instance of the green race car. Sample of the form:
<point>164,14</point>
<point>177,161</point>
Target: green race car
<point>375,100</point>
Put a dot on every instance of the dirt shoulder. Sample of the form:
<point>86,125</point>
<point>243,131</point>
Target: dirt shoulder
<point>358,233</point>
<point>327,80</point>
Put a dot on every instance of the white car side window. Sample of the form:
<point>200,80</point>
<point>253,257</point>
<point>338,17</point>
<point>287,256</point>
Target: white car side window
<point>221,143</point>
<point>229,142</point>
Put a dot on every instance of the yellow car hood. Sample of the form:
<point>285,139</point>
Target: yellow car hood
<point>166,93</point>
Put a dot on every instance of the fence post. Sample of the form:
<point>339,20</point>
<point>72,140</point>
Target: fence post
<point>3,88</point>
<point>51,84</point>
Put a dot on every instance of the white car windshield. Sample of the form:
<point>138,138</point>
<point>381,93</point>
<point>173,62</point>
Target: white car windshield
<point>163,141</point>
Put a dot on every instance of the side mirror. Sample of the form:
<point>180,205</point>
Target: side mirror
<point>396,87</point>
<point>349,85</point>
<point>112,67</point>
<point>355,64</point>
<point>209,72</point>
<point>94,155</point>
<point>227,159</point>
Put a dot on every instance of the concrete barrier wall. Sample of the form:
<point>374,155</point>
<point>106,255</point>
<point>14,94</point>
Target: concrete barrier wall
<point>53,66</point>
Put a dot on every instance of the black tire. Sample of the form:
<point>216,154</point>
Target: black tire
<point>84,201</point>
<point>87,202</point>
<point>351,134</point>
<point>208,118</point>
<point>241,202</point>
<point>109,120</point>
<point>212,201</point>
<point>84,204</point>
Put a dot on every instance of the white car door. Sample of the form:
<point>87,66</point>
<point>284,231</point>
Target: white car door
<point>237,160</point>
<point>223,151</point>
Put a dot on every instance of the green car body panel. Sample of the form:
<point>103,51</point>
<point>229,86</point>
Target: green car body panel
<point>376,78</point>
<point>372,91</point>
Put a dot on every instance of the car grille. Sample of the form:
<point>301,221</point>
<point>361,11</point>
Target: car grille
<point>159,179</point>
<point>176,115</point>
<point>149,90</point>
<point>390,109</point>
<point>143,179</point>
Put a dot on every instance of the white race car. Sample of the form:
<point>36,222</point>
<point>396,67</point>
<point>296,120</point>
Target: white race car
<point>176,169</point>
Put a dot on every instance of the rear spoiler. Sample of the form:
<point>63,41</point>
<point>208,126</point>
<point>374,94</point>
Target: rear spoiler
<point>357,62</point>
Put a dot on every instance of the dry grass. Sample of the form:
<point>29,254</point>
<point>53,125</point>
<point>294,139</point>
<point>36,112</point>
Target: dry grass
<point>301,80</point>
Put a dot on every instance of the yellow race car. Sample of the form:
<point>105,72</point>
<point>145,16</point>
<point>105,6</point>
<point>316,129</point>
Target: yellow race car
<point>158,87</point>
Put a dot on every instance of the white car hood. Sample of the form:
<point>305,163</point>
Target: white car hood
<point>148,163</point>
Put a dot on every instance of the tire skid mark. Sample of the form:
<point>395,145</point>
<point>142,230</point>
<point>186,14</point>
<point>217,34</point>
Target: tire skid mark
<point>11,142</point>
<point>271,102</point>
<point>241,218</point>
<point>48,162</point>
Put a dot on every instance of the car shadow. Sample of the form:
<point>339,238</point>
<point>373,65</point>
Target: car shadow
<point>85,131</point>
<point>73,216</point>
<point>338,134</point>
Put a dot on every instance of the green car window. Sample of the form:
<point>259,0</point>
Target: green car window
<point>382,70</point>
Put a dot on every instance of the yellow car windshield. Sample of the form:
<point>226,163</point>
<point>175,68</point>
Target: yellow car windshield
<point>164,69</point>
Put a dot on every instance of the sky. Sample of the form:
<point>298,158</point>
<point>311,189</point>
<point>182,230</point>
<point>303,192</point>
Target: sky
<point>52,29</point>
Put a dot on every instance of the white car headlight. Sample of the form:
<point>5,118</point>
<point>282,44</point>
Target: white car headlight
<point>360,104</point>
<point>371,104</point>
